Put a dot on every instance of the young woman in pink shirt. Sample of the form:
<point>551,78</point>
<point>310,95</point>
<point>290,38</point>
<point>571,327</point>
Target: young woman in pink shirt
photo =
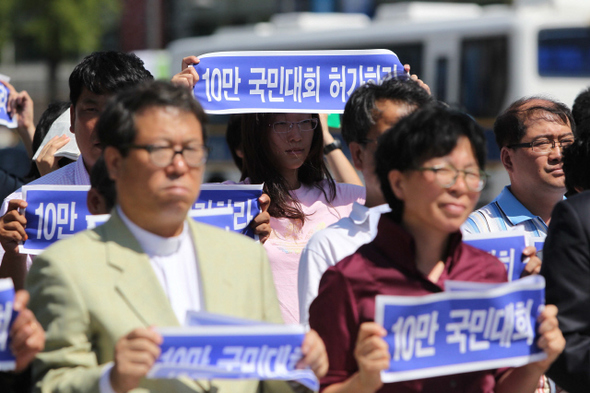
<point>285,152</point>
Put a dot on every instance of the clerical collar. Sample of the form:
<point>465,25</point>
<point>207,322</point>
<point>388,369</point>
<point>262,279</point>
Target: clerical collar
<point>152,244</point>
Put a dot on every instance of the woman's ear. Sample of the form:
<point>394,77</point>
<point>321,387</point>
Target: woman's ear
<point>397,183</point>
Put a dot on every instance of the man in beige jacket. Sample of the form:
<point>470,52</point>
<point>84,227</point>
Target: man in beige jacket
<point>98,293</point>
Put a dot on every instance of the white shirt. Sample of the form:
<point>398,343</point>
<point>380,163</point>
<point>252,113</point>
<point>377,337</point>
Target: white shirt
<point>175,263</point>
<point>329,246</point>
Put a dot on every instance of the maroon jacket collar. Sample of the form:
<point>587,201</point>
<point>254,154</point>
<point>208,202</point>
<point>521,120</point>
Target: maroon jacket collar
<point>396,248</point>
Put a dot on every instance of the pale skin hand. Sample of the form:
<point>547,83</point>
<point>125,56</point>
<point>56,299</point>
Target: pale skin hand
<point>261,223</point>
<point>551,341</point>
<point>372,356</point>
<point>28,337</point>
<point>414,77</point>
<point>188,76</point>
<point>314,354</point>
<point>21,105</point>
<point>533,266</point>
<point>135,354</point>
<point>46,161</point>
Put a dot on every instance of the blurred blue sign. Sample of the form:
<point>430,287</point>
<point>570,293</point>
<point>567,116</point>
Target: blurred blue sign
<point>288,81</point>
<point>5,118</point>
<point>462,331</point>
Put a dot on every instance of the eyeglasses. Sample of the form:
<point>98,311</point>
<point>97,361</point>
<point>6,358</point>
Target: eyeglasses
<point>446,176</point>
<point>162,156</point>
<point>283,127</point>
<point>544,145</point>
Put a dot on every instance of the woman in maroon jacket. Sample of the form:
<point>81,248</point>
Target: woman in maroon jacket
<point>430,166</point>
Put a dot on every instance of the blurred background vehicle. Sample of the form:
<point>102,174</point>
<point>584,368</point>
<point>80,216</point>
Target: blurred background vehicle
<point>477,57</point>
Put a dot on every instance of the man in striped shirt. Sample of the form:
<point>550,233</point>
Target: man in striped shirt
<point>531,135</point>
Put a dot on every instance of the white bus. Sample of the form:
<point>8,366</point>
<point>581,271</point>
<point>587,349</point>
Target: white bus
<point>480,58</point>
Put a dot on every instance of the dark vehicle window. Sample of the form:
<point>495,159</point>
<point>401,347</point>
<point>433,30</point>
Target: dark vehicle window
<point>484,75</point>
<point>564,52</point>
<point>442,77</point>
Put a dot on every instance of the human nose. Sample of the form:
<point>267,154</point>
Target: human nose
<point>178,162</point>
<point>294,132</point>
<point>556,151</point>
<point>459,183</point>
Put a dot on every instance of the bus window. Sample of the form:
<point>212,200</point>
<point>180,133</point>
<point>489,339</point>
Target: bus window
<point>410,54</point>
<point>484,75</point>
<point>564,52</point>
<point>442,66</point>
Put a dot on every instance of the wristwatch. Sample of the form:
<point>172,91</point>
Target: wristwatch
<point>332,146</point>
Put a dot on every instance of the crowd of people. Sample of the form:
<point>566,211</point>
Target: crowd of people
<point>329,243</point>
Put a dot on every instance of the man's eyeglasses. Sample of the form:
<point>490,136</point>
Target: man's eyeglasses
<point>161,156</point>
<point>283,127</point>
<point>543,145</point>
<point>446,176</point>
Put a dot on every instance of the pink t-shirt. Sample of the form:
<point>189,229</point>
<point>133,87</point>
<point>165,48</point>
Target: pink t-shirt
<point>288,238</point>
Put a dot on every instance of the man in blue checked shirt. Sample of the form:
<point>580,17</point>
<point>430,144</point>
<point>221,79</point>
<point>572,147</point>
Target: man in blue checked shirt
<point>531,135</point>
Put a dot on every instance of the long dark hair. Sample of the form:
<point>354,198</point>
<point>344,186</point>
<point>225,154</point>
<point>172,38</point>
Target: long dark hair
<point>261,166</point>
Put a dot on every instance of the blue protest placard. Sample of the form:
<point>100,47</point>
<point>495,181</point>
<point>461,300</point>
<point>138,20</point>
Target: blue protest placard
<point>462,331</point>
<point>243,198</point>
<point>7,315</point>
<point>53,213</point>
<point>221,217</point>
<point>288,81</point>
<point>233,352</point>
<point>5,118</point>
<point>539,243</point>
<point>506,246</point>
<point>56,212</point>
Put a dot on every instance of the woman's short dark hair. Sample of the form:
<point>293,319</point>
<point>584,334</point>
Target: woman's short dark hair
<point>430,132</point>
<point>116,125</point>
<point>260,166</point>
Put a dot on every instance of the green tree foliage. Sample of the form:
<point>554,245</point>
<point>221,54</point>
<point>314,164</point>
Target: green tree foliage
<point>60,28</point>
<point>6,7</point>
<point>67,26</point>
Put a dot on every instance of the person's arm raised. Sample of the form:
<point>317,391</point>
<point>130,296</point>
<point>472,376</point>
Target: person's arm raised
<point>339,165</point>
<point>187,76</point>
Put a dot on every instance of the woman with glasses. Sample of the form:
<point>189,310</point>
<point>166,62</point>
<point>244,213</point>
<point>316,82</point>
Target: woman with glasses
<point>430,166</point>
<point>285,152</point>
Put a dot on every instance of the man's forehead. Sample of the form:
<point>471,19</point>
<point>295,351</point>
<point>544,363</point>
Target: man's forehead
<point>86,96</point>
<point>534,112</point>
<point>176,121</point>
<point>542,118</point>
